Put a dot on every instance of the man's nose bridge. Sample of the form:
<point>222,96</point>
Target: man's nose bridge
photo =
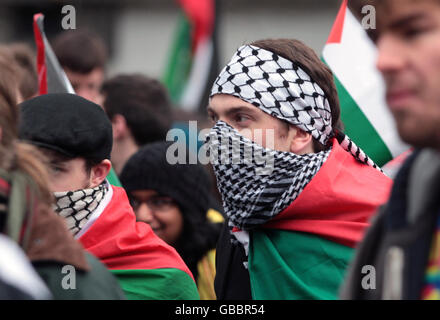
<point>389,53</point>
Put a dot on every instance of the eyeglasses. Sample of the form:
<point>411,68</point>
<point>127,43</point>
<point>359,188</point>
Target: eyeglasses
<point>155,203</point>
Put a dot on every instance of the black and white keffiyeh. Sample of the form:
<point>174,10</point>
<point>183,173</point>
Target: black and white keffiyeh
<point>76,207</point>
<point>284,90</point>
<point>278,87</point>
<point>257,183</point>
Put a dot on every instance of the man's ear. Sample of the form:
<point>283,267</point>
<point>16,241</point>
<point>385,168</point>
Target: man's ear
<point>301,142</point>
<point>120,128</point>
<point>99,172</point>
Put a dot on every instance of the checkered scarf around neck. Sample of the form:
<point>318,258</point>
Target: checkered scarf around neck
<point>284,90</point>
<point>76,207</point>
<point>257,183</point>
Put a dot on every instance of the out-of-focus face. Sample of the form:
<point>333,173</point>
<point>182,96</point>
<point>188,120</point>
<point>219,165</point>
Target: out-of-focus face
<point>87,85</point>
<point>408,41</point>
<point>160,212</point>
<point>251,122</point>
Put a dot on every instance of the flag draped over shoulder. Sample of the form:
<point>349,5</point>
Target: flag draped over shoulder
<point>146,267</point>
<point>351,56</point>
<point>193,63</point>
<point>304,251</point>
<point>51,76</point>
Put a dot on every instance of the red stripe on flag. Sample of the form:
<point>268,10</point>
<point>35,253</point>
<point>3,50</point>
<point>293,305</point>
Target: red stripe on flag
<point>4,186</point>
<point>338,203</point>
<point>122,243</point>
<point>201,14</point>
<point>336,33</point>
<point>41,57</point>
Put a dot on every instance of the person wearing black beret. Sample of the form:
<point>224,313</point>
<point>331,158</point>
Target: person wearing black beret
<point>76,136</point>
<point>177,201</point>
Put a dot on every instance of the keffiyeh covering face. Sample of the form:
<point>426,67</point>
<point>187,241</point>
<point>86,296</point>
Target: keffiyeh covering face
<point>285,91</point>
<point>257,183</point>
<point>76,207</point>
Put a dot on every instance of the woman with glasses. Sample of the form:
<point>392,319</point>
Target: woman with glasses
<point>177,202</point>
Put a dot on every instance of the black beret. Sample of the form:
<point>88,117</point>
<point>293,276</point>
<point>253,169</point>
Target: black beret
<point>68,124</point>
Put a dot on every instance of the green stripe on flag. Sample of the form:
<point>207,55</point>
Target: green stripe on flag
<point>359,128</point>
<point>113,179</point>
<point>157,284</point>
<point>289,265</point>
<point>180,60</point>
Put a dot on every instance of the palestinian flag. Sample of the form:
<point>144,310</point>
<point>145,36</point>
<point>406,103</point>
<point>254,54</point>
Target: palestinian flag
<point>304,251</point>
<point>51,77</point>
<point>146,267</point>
<point>351,55</point>
<point>193,64</point>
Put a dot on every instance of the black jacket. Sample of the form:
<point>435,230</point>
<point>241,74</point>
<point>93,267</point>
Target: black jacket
<point>398,242</point>
<point>232,278</point>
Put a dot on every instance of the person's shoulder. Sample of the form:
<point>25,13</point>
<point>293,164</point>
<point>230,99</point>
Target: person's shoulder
<point>104,284</point>
<point>18,278</point>
<point>69,283</point>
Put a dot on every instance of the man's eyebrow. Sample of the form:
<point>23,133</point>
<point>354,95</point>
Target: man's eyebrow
<point>413,17</point>
<point>375,34</point>
<point>233,110</point>
<point>237,109</point>
<point>56,162</point>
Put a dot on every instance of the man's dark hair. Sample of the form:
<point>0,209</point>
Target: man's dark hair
<point>80,51</point>
<point>143,102</point>
<point>306,58</point>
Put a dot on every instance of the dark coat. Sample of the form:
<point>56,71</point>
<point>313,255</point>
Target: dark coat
<point>398,242</point>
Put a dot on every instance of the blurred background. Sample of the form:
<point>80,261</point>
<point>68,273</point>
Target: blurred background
<point>140,33</point>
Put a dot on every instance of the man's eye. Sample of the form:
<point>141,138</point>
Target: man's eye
<point>57,169</point>
<point>412,32</point>
<point>240,118</point>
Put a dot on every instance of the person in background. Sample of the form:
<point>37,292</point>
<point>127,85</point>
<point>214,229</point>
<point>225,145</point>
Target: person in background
<point>177,202</point>
<point>83,56</point>
<point>402,245</point>
<point>299,211</point>
<point>75,135</point>
<point>140,112</point>
<point>24,58</point>
<point>28,221</point>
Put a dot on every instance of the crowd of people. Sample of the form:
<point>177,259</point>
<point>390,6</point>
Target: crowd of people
<point>288,208</point>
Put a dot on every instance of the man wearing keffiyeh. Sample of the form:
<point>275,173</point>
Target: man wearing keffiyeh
<point>298,192</point>
<point>76,136</point>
